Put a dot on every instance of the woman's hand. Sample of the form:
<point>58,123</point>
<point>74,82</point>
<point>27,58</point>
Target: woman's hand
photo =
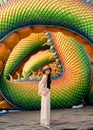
<point>44,93</point>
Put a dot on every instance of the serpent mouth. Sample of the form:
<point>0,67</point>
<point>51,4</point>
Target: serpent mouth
<point>28,68</point>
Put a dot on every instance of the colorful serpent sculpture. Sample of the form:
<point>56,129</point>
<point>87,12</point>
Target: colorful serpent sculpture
<point>38,32</point>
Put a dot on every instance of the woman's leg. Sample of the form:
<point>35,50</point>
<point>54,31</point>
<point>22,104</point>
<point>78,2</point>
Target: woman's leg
<point>42,120</point>
<point>47,109</point>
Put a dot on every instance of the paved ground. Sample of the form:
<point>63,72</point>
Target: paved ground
<point>65,119</point>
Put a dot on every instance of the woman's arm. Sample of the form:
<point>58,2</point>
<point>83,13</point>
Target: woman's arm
<point>44,81</point>
<point>42,84</point>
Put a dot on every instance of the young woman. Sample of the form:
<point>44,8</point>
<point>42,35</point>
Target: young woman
<point>44,92</point>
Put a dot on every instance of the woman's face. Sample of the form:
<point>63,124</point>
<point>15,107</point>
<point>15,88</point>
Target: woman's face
<point>47,71</point>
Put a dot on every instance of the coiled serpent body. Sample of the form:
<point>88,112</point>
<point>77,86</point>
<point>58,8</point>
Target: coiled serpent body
<point>72,82</point>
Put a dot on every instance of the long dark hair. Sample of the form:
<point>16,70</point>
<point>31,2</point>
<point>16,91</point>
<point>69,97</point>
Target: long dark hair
<point>49,81</point>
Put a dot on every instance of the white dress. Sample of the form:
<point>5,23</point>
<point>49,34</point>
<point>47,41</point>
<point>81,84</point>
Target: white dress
<point>45,102</point>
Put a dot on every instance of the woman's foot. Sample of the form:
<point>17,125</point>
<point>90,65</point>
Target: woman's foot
<point>47,126</point>
<point>44,125</point>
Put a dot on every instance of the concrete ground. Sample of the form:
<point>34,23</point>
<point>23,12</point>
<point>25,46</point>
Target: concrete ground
<point>65,119</point>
